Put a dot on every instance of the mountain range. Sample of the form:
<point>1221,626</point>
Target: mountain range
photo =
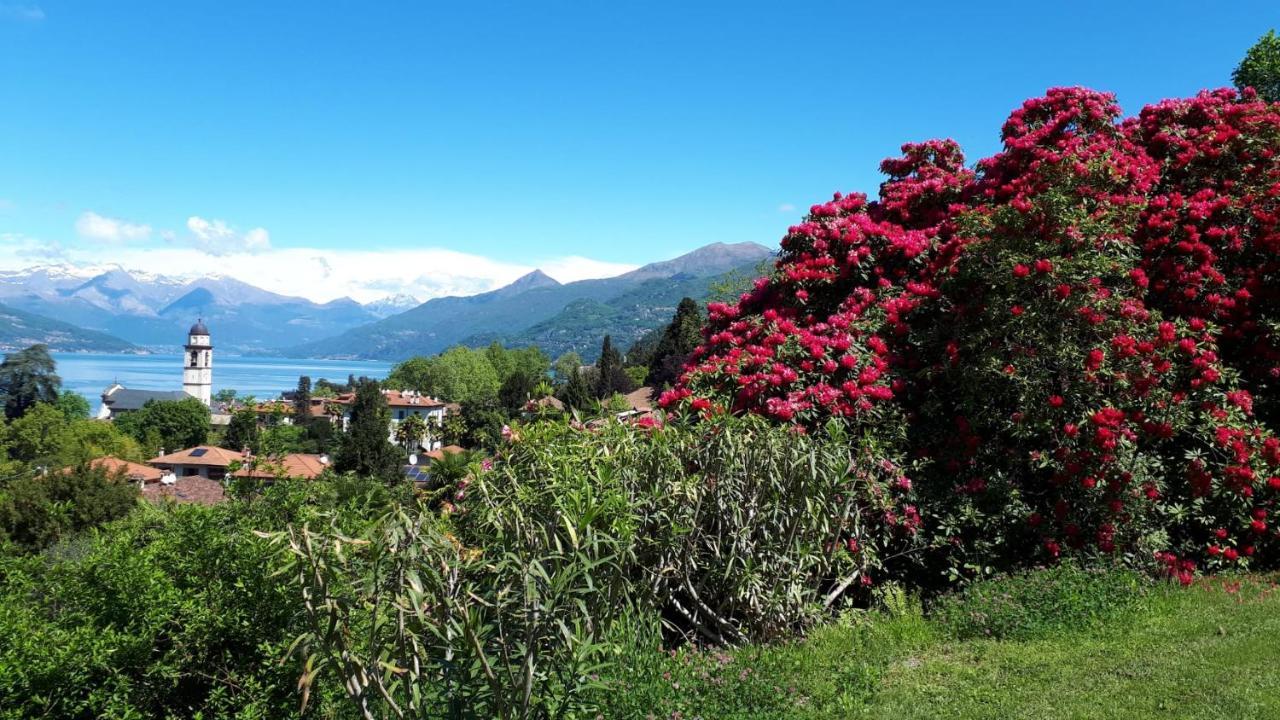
<point>155,311</point>
<point>111,309</point>
<point>20,329</point>
<point>536,309</point>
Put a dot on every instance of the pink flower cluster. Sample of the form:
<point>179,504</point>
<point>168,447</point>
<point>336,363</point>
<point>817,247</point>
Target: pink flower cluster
<point>1082,328</point>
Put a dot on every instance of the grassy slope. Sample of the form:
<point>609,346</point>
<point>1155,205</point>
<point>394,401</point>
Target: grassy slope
<point>1206,652</point>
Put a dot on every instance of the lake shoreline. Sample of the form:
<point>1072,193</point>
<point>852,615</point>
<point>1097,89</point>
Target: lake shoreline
<point>89,374</point>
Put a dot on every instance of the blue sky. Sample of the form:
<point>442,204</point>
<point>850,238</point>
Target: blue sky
<point>473,141</point>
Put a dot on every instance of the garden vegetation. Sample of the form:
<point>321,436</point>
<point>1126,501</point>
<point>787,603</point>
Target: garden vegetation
<point>1064,356</point>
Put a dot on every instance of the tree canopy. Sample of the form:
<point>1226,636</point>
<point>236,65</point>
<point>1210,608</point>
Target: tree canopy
<point>678,340</point>
<point>28,377</point>
<point>612,377</point>
<point>167,424</point>
<point>1260,68</point>
<point>365,449</point>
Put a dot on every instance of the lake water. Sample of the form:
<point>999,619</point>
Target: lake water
<point>91,373</point>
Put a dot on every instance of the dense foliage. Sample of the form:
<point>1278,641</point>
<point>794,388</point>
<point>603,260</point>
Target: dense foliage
<point>167,425</point>
<point>37,510</point>
<point>1260,68</point>
<point>1071,347</point>
<point>27,377</point>
<point>171,612</point>
<point>676,343</point>
<point>365,450</point>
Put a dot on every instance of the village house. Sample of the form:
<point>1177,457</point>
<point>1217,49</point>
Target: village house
<point>408,403</point>
<point>206,461</point>
<point>156,484</point>
<point>403,404</point>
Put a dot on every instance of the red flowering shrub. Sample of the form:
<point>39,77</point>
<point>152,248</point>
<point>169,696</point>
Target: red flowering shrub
<point>1066,344</point>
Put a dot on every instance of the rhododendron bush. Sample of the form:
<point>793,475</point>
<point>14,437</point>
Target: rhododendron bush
<point>1073,346</point>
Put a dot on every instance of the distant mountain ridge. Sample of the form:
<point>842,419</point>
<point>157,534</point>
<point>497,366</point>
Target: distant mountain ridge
<point>515,314</point>
<point>152,310</point>
<point>20,329</point>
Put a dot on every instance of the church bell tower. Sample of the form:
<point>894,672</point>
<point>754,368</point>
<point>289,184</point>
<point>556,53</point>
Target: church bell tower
<point>197,364</point>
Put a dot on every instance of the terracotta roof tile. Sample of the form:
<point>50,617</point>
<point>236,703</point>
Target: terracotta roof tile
<point>133,471</point>
<point>207,455</point>
<point>398,399</point>
<point>295,465</point>
<point>192,489</point>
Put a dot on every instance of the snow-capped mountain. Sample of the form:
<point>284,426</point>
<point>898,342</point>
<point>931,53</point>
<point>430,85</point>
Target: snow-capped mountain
<point>155,310</point>
<point>391,305</point>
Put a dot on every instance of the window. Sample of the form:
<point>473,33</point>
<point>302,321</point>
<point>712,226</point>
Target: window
<point>399,414</point>
<point>194,354</point>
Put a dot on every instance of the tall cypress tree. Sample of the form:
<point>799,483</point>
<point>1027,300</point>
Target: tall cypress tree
<point>677,342</point>
<point>577,393</point>
<point>302,401</point>
<point>365,449</point>
<point>613,376</point>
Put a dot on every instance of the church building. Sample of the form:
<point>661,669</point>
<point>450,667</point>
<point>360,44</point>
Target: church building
<point>197,375</point>
<point>197,379</point>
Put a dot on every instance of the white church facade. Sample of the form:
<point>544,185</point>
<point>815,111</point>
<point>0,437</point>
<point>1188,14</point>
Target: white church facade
<point>197,379</point>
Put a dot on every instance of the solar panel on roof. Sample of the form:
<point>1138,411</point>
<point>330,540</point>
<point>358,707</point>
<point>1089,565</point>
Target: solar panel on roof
<point>416,474</point>
<point>198,452</point>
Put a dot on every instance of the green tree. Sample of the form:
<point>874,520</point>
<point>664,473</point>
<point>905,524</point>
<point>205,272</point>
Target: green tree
<point>242,432</point>
<point>321,435</point>
<point>28,377</point>
<point>168,424</point>
<point>225,396</point>
<point>682,335</point>
<point>483,419</point>
<point>516,391</point>
<point>37,511</point>
<point>410,432</point>
<point>640,354</point>
<point>507,362</point>
<point>459,374</point>
<point>85,440</point>
<point>566,366</point>
<point>73,405</point>
<point>577,392</point>
<point>1260,68</point>
<point>365,449</point>
<point>38,436</point>
<point>612,377</point>
<point>302,401</point>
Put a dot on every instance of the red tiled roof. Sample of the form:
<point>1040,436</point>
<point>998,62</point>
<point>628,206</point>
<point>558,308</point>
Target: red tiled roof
<point>294,465</point>
<point>398,399</point>
<point>211,457</point>
<point>439,454</point>
<point>133,471</point>
<point>194,489</point>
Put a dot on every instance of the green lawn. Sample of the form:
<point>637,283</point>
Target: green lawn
<point>1208,651</point>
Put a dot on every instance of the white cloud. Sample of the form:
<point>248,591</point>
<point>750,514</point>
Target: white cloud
<point>6,205</point>
<point>93,226</point>
<point>323,274</point>
<point>568,269</point>
<point>22,249</point>
<point>786,208</point>
<point>216,237</point>
<point>20,12</point>
<point>215,247</point>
